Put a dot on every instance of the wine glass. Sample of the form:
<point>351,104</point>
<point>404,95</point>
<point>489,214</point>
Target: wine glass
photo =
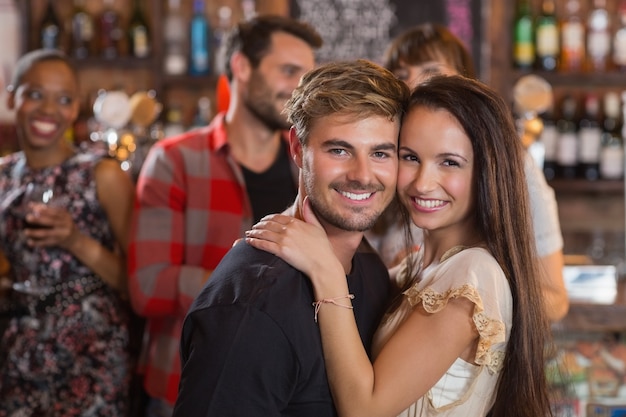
<point>34,195</point>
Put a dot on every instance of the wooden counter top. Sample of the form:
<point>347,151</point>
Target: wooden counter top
<point>588,317</point>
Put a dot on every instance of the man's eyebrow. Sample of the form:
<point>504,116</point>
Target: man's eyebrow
<point>345,144</point>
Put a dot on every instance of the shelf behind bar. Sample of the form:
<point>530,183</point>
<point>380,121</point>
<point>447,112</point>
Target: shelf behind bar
<point>588,187</point>
<point>581,79</point>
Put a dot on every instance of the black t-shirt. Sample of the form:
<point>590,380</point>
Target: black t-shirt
<point>250,345</point>
<point>274,190</point>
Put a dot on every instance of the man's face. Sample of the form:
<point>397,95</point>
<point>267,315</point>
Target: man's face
<point>278,74</point>
<point>349,169</point>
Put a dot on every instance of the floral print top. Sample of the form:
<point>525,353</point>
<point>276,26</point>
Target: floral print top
<point>71,357</point>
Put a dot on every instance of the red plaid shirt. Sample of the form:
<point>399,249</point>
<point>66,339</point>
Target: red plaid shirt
<point>191,206</point>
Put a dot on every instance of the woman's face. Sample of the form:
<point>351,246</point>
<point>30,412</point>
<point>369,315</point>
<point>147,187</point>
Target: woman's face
<point>46,104</point>
<point>436,169</point>
<point>413,75</point>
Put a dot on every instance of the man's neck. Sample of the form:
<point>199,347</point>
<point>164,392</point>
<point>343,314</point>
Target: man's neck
<point>252,144</point>
<point>344,243</point>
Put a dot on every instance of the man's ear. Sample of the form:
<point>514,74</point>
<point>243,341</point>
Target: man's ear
<point>240,66</point>
<point>295,147</point>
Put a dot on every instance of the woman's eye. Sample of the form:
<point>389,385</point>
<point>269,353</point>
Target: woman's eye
<point>34,94</point>
<point>409,157</point>
<point>66,100</point>
<point>451,163</point>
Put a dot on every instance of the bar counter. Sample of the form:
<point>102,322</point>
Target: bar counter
<point>593,317</point>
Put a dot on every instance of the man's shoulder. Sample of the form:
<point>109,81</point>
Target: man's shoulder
<point>244,275</point>
<point>196,139</point>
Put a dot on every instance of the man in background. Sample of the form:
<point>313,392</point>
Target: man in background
<point>198,192</point>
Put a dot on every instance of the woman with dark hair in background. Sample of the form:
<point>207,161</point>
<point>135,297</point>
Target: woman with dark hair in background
<point>430,49</point>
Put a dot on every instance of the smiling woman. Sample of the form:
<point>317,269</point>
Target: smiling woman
<point>450,343</point>
<point>78,325</point>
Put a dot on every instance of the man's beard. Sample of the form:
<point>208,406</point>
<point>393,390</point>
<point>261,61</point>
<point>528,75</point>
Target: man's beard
<point>260,101</point>
<point>355,221</point>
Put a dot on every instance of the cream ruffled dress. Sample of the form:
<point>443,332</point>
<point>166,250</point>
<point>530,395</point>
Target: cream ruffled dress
<point>466,389</point>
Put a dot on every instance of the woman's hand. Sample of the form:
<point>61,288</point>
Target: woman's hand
<point>302,244</point>
<point>57,227</point>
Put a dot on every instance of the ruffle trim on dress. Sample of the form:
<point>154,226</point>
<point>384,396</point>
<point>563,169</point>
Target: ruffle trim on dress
<point>490,331</point>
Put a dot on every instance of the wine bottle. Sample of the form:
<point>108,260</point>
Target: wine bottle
<point>567,146</point>
<point>82,31</point>
<point>224,25</point>
<point>549,138</point>
<point>598,36</point>
<point>590,139</point>
<point>547,37</point>
<point>175,36</point>
<point>572,38</point>
<point>139,39</point>
<point>523,43</point>
<point>110,31</point>
<point>199,40</point>
<point>612,152</point>
<point>619,39</point>
<point>50,29</point>
<point>174,121</point>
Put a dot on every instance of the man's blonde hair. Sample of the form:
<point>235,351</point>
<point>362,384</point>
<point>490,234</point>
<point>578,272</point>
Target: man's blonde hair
<point>358,89</point>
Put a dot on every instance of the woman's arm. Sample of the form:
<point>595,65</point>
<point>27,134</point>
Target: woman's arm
<point>414,358</point>
<point>115,193</point>
<point>553,286</point>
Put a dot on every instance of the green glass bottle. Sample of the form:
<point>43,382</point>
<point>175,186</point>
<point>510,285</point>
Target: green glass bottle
<point>523,36</point>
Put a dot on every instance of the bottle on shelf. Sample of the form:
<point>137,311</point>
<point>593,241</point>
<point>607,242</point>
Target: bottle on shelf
<point>612,152</point>
<point>572,38</point>
<point>549,138</point>
<point>224,25</point>
<point>590,139</point>
<point>567,145</point>
<point>173,121</point>
<point>203,112</point>
<point>199,45</point>
<point>547,37</point>
<point>50,29</point>
<point>139,39</point>
<point>619,38</point>
<point>176,40</point>
<point>598,37</point>
<point>82,31</point>
<point>249,9</point>
<point>110,31</point>
<point>523,39</point>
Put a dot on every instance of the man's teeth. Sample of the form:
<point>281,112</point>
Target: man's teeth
<point>429,203</point>
<point>357,197</point>
<point>44,127</point>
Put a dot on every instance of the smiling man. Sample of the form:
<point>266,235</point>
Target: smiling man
<point>250,344</point>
